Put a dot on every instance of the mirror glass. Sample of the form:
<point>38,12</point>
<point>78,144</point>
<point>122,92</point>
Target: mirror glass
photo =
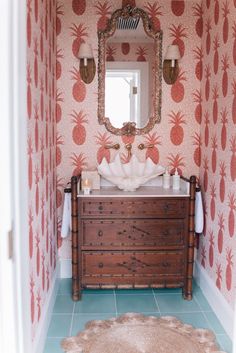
<point>129,73</point>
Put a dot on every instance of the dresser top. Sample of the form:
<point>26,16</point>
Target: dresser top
<point>143,191</point>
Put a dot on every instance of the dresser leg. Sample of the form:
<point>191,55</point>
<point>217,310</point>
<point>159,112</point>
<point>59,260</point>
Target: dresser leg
<point>187,294</point>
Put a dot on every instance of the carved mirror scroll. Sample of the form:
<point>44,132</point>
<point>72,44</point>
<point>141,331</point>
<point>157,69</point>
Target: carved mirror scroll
<point>139,74</point>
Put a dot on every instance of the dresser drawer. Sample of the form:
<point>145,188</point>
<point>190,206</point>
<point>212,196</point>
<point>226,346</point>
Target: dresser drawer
<point>143,232</point>
<point>135,208</point>
<point>130,263</point>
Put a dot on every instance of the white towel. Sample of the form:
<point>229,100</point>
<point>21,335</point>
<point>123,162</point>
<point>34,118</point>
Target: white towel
<point>199,220</point>
<point>66,216</point>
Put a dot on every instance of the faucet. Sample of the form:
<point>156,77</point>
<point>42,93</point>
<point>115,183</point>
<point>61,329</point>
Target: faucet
<point>128,146</point>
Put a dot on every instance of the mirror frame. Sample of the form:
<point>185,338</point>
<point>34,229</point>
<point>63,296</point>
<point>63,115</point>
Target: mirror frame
<point>129,128</point>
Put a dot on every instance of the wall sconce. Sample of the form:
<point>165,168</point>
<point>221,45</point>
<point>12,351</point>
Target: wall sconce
<point>170,64</point>
<point>87,67</point>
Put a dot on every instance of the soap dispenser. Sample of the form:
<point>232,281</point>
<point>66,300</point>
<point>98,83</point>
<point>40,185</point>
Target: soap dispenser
<point>166,179</point>
<point>176,180</point>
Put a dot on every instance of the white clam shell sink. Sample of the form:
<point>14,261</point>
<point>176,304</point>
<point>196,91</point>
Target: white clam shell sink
<point>129,176</point>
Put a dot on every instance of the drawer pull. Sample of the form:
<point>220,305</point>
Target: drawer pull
<point>100,208</point>
<point>100,265</point>
<point>166,207</point>
<point>100,233</point>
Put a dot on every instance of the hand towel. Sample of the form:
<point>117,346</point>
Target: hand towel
<point>199,220</point>
<point>66,216</point>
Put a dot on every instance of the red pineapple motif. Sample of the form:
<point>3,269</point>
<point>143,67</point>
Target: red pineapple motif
<point>103,152</point>
<point>215,91</point>
<point>216,45</point>
<point>177,132</point>
<point>197,97</point>
<point>79,6</point>
<point>175,162</point>
<point>42,157</point>
<point>79,32</point>
<point>36,127</point>
<point>221,221</point>
<point>198,69</point>
<point>234,102</point>
<point>222,181</point>
<point>198,12</point>
<point>178,32</point>
<point>203,255</point>
<point>30,163</point>
<point>59,12</point>
<point>213,156</point>
<point>37,240</point>
<point>208,37</point>
<point>216,11</point>
<point>213,203</point>
<point>177,89</point>
<point>46,128</point>
<point>228,273</point>
<point>46,19</point>
<point>41,44</point>
<point>224,121</point>
<point>32,300</point>
<point>206,133</point>
<point>29,95</point>
<point>219,276</point>
<point>79,132</point>
<point>58,63</point>
<point>79,88</point>
<point>205,175</point>
<point>154,140</point>
<point>30,221</point>
<point>231,219</point>
<point>177,7</point>
<point>59,99</point>
<point>110,52</point>
<point>59,141</point>
<point>127,138</point>
<point>208,3</point>
<point>125,48</point>
<point>43,271</point>
<point>36,173</point>
<point>225,11</point>
<point>141,52</point>
<point>29,29</point>
<point>46,74</point>
<point>41,99</point>
<point>38,298</point>
<point>207,83</point>
<point>103,10</point>
<point>225,67</point>
<point>233,158</point>
<point>153,11</point>
<point>36,61</point>
<point>42,214</point>
<point>211,248</point>
<point>128,2</point>
<point>197,152</point>
<point>79,161</point>
<point>59,187</point>
<point>234,46</point>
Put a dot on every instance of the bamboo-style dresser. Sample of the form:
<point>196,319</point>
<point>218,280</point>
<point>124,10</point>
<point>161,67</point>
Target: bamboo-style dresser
<point>133,240</point>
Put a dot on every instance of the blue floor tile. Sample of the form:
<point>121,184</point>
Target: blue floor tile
<point>201,300</point>
<point>64,304</point>
<point>136,303</point>
<point>65,286</point>
<point>60,325</point>
<point>174,303</point>
<point>96,303</point>
<point>53,345</point>
<point>80,320</point>
<point>215,323</point>
<point>194,319</point>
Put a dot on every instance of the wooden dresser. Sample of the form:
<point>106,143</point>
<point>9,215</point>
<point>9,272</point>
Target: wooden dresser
<point>144,239</point>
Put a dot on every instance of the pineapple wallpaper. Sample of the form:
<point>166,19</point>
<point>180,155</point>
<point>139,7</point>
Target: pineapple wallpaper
<point>218,144</point>
<point>41,100</point>
<point>196,134</point>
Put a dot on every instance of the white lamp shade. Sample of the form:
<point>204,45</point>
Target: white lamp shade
<point>172,52</point>
<point>85,51</point>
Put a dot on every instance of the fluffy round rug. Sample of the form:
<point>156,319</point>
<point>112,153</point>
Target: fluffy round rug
<point>136,333</point>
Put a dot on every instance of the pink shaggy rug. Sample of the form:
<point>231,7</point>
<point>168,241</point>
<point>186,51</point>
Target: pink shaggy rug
<point>136,333</point>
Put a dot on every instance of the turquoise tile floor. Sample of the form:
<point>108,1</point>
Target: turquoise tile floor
<point>70,317</point>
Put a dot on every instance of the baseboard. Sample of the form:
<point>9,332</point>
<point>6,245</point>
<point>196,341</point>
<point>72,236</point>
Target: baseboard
<point>40,339</point>
<point>65,268</point>
<point>216,300</point>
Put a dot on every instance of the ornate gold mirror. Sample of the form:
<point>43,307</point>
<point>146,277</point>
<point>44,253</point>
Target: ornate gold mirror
<point>129,73</point>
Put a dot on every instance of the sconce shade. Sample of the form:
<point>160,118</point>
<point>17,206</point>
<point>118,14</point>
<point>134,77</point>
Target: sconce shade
<point>85,51</point>
<point>172,52</point>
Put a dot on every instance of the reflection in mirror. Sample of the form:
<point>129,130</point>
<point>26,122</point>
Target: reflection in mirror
<point>129,73</point>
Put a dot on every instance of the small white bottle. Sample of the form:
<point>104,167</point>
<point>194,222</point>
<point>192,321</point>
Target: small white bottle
<point>166,180</point>
<point>176,180</point>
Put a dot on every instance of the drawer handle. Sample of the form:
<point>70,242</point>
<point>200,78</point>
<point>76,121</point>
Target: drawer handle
<point>100,233</point>
<point>100,265</point>
<point>100,208</point>
<point>166,207</point>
